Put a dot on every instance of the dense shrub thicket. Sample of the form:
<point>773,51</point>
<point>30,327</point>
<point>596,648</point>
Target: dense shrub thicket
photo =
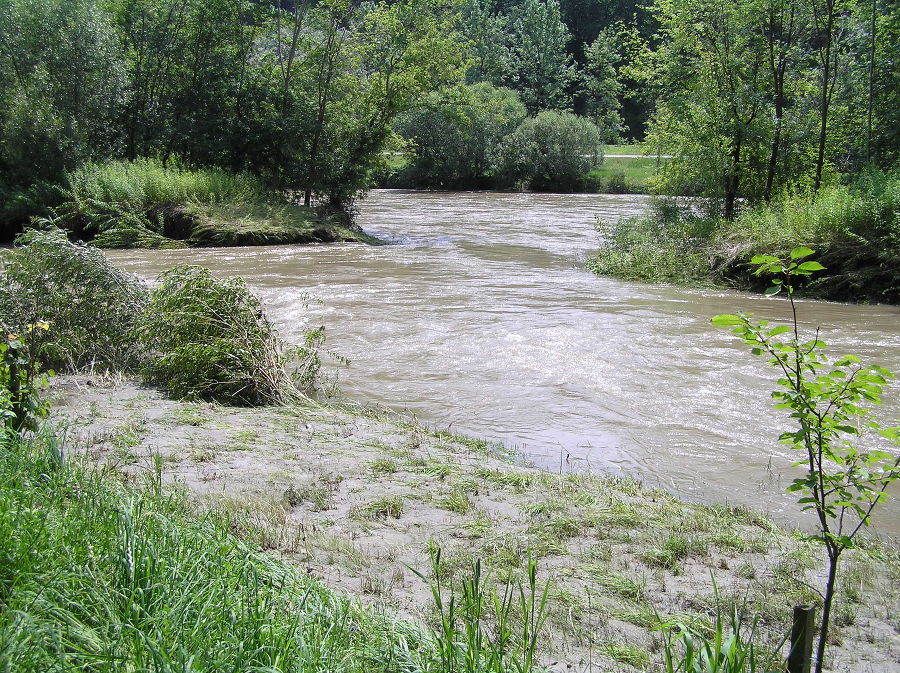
<point>855,229</point>
<point>458,144</point>
<point>553,151</point>
<point>195,335</point>
<point>484,140</point>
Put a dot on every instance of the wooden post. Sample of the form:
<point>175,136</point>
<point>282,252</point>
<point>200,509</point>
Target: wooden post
<point>802,632</point>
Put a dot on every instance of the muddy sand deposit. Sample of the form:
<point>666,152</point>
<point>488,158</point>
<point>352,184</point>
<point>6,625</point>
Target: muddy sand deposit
<point>358,497</point>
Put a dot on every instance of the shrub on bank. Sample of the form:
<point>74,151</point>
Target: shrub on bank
<point>91,305</point>
<point>456,144</point>
<point>553,151</point>
<point>210,339</point>
<point>856,228</point>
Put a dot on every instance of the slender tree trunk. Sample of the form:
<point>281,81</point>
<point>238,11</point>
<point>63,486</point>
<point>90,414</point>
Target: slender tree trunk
<point>872,28</point>
<point>825,98</point>
<point>834,558</point>
<point>733,180</point>
<point>776,140</point>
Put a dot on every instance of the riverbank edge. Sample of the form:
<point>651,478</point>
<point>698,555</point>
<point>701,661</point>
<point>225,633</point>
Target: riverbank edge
<point>356,496</point>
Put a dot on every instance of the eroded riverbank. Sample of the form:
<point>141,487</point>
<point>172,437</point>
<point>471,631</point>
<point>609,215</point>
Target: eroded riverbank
<point>357,496</point>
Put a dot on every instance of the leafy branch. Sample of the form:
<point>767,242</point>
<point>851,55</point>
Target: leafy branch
<point>832,402</point>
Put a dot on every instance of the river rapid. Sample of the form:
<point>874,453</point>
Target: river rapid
<point>480,318</point>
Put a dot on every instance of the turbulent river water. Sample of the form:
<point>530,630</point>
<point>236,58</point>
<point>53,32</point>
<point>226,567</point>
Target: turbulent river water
<point>481,318</point>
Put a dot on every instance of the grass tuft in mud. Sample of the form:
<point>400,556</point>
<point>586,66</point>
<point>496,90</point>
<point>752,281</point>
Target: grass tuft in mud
<point>210,339</point>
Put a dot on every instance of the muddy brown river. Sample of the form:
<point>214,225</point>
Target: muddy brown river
<point>481,318</point>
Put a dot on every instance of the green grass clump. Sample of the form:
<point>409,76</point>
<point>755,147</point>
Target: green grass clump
<point>457,501</point>
<point>210,339</point>
<point>91,306</point>
<point>96,576</point>
<point>382,466</point>
<point>383,508</point>
<point>144,204</point>
<point>626,653</point>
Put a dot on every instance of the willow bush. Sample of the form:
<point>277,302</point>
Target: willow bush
<point>90,305</point>
<point>209,338</point>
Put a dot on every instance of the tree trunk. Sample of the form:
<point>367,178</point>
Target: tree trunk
<point>733,180</point>
<point>834,558</point>
<point>825,98</point>
<point>776,141</point>
<point>872,28</point>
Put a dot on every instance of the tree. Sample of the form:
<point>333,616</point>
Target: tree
<point>603,90</point>
<point>458,135</point>
<point>783,25</point>
<point>61,84</point>
<point>540,68</point>
<point>553,151</point>
<point>487,32</point>
<point>709,71</point>
<point>828,35</point>
<point>831,402</point>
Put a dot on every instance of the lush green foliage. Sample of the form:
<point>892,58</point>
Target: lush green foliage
<point>21,379</point>
<point>300,96</point>
<point>90,305</point>
<point>854,227</point>
<point>665,246</point>
<point>457,143</point>
<point>847,470</point>
<point>466,642</point>
<point>729,648</point>
<point>210,339</point>
<point>552,152</point>
<point>756,95</point>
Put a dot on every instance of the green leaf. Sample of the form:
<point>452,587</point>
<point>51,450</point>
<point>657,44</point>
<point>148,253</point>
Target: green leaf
<point>764,259</point>
<point>726,320</point>
<point>800,252</point>
<point>772,291</point>
<point>809,267</point>
<point>781,329</point>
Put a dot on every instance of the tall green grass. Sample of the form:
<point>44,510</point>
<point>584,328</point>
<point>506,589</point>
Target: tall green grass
<point>98,576</point>
<point>120,204</point>
<point>142,184</point>
<point>105,574</point>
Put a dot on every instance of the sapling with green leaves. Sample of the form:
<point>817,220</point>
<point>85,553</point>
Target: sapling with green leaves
<point>845,449</point>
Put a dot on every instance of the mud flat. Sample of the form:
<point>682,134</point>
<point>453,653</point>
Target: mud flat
<point>358,496</point>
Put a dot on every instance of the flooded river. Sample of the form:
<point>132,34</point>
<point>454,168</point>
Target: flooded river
<point>481,318</point>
